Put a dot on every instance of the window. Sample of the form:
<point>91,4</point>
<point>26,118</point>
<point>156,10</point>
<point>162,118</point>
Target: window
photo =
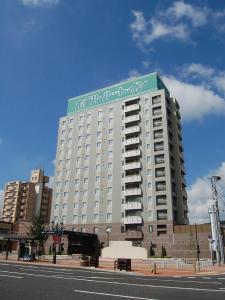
<point>88,136</point>
<point>77,181</point>
<point>64,219</point>
<point>150,214</point>
<point>85,180</point>
<point>149,185</point>
<point>110,153</point>
<point>100,113</point>
<point>148,146</point>
<point>148,159</point>
<point>111,110</point>
<point>156,99</point>
<point>81,118</point>
<point>159,146</point>
<point>160,186</point>
<point>95,217</point>
<point>109,165</point>
<point>162,214</point>
<point>75,205</point>
<point>99,144</point>
<point>65,194</point>
<point>97,167</point>
<point>64,205</point>
<point>159,159</point>
<point>71,120</point>
<point>157,122</point>
<point>76,193</point>
<point>85,193</point>
<point>86,157</point>
<point>99,133</point>
<point>88,126</point>
<point>63,132</point>
<point>95,229</point>
<point>146,122</point>
<point>89,117</point>
<point>146,111</point>
<point>158,134</point>
<point>110,120</point>
<point>149,199</point>
<point>110,189</point>
<point>62,142</point>
<point>159,172</point>
<point>110,142</point>
<point>99,123</point>
<point>85,169</point>
<point>109,177</point>
<point>83,217</point>
<point>56,206</point>
<point>150,228</point>
<point>110,131</point>
<point>96,204</point>
<point>156,110</point>
<point>87,146</point>
<point>80,128</point>
<point>98,155</point>
<point>97,191</point>
<point>161,200</point>
<point>147,134</point>
<point>84,204</point>
<point>109,203</point>
<point>97,179</point>
<point>70,130</point>
<point>109,216</point>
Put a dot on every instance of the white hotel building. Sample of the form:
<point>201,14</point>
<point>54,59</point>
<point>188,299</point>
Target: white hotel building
<point>120,164</point>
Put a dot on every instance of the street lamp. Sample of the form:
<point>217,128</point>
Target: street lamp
<point>57,232</point>
<point>108,231</point>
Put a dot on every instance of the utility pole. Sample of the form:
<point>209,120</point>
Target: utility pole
<point>215,222</point>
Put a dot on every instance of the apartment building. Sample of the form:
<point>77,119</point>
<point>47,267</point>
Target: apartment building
<point>119,168</point>
<point>19,200</point>
<point>23,199</point>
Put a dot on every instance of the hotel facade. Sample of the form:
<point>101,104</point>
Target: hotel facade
<point>119,169</point>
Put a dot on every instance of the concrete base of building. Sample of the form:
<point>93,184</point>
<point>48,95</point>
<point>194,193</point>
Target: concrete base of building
<point>124,249</point>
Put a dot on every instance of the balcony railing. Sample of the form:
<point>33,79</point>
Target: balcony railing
<point>132,119</point>
<point>132,141</point>
<point>134,178</point>
<point>134,165</point>
<point>132,153</point>
<point>132,220</point>
<point>132,192</point>
<point>133,206</point>
<point>132,107</point>
<point>132,129</point>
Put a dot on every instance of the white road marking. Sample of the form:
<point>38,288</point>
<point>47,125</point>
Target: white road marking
<point>222,278</point>
<point>192,277</point>
<point>180,281</point>
<point>116,283</point>
<point>222,288</point>
<point>112,295</point>
<point>206,278</point>
<point>11,276</point>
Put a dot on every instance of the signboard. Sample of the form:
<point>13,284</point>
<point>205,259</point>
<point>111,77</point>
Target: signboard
<point>127,89</point>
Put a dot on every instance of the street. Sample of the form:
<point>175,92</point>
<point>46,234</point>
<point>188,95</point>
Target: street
<point>24,281</point>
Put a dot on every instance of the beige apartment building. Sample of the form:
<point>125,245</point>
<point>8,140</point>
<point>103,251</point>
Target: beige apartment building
<point>22,200</point>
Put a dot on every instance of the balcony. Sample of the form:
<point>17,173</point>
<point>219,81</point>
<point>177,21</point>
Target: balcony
<point>134,178</point>
<point>132,107</point>
<point>131,166</point>
<point>132,220</point>
<point>132,153</point>
<point>132,129</point>
<point>133,234</point>
<point>132,119</point>
<point>133,206</point>
<point>132,141</point>
<point>132,192</point>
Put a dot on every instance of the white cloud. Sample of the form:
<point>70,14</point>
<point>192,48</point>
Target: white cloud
<point>196,101</point>
<point>51,181</point>
<point>177,22</point>
<point>39,3</point>
<point>197,15</point>
<point>200,196</point>
<point>133,74</point>
<point>197,70</point>
<point>145,32</point>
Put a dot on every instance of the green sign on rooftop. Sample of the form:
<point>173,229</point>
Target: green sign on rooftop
<point>123,90</point>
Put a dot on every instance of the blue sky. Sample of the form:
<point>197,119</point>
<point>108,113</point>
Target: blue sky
<point>51,50</point>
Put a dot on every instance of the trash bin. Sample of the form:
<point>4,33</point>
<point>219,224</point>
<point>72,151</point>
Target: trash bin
<point>124,264</point>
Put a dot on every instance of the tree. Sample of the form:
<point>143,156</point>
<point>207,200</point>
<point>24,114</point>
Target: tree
<point>163,252</point>
<point>36,229</point>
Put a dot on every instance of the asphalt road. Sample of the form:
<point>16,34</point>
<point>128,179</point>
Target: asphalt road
<point>28,282</point>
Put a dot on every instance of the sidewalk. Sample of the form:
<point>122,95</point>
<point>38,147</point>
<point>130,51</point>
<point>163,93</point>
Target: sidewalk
<point>106,266</point>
